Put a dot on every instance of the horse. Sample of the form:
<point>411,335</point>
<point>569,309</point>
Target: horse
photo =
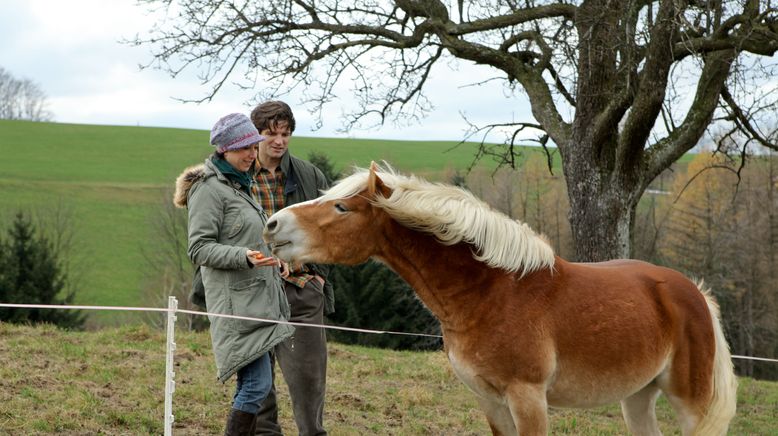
<point>523,328</point>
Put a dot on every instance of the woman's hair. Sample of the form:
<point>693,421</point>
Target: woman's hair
<point>268,114</point>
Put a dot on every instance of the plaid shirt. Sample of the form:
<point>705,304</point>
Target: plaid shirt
<point>270,190</point>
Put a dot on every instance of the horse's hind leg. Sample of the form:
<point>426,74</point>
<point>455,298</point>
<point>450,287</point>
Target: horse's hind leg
<point>689,400</point>
<point>688,385</point>
<point>689,416</point>
<point>639,411</point>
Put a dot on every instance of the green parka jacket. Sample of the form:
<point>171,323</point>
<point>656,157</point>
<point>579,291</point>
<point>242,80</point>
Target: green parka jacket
<point>304,182</point>
<point>224,222</point>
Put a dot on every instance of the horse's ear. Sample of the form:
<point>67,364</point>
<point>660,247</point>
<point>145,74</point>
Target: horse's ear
<point>374,183</point>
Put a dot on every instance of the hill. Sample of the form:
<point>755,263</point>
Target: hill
<point>112,382</point>
<point>112,180</point>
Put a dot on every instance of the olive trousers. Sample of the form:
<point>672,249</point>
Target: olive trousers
<point>303,362</point>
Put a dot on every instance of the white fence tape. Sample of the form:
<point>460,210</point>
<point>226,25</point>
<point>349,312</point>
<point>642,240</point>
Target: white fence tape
<point>171,345</point>
<point>763,359</point>
<point>195,312</point>
<point>272,321</point>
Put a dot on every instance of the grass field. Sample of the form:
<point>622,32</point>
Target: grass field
<point>111,382</point>
<point>112,179</point>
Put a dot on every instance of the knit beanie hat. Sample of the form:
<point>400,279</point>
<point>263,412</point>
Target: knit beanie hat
<point>233,132</point>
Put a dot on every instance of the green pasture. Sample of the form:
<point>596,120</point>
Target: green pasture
<point>112,178</point>
<point>111,381</point>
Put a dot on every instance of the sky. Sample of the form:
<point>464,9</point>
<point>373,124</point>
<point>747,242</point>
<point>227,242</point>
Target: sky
<point>72,49</point>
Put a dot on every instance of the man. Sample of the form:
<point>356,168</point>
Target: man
<point>284,180</point>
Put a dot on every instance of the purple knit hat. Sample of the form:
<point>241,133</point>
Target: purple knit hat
<point>233,132</point>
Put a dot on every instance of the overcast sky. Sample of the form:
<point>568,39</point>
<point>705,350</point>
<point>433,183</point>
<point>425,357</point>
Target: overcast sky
<point>72,50</point>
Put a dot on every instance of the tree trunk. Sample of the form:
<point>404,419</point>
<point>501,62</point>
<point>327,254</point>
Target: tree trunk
<point>601,216</point>
<point>602,198</point>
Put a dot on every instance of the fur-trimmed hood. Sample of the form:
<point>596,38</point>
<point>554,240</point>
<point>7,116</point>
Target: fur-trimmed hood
<point>184,183</point>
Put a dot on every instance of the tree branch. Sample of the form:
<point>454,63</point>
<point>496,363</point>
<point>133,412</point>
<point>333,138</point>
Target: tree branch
<point>666,151</point>
<point>650,93</point>
<point>743,122</point>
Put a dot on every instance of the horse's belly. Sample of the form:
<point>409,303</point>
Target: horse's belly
<point>582,399</point>
<point>582,388</point>
<point>576,384</point>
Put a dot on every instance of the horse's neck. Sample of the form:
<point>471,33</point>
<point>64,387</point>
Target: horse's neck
<point>448,279</point>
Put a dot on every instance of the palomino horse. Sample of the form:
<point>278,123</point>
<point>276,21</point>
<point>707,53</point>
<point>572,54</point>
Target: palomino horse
<point>523,328</point>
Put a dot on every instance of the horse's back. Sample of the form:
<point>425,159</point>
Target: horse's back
<point>639,288</point>
<point>633,277</point>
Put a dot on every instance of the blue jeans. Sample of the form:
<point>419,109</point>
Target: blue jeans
<point>254,382</point>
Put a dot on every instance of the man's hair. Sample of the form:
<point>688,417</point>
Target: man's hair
<point>268,114</point>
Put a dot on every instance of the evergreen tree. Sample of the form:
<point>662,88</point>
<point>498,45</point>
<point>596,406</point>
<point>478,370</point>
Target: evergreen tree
<point>30,273</point>
<point>322,162</point>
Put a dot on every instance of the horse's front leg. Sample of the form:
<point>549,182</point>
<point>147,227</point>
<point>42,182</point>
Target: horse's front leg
<point>498,415</point>
<point>528,408</point>
<point>523,407</point>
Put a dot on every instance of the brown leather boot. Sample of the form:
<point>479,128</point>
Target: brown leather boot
<point>240,423</point>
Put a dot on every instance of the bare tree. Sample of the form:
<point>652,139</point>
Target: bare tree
<point>642,80</point>
<point>59,223</point>
<point>168,270</point>
<point>21,99</point>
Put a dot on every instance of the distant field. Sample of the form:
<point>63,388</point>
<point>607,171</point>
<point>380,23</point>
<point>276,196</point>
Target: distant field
<point>113,178</point>
<point>151,156</point>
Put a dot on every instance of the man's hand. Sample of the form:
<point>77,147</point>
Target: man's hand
<point>284,269</point>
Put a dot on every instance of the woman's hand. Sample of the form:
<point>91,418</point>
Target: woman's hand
<point>258,259</point>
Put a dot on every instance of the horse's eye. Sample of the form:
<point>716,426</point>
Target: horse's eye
<point>341,208</point>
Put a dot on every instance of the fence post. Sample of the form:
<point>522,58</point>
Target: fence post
<point>170,375</point>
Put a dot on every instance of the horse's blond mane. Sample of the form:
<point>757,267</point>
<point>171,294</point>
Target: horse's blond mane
<point>452,215</point>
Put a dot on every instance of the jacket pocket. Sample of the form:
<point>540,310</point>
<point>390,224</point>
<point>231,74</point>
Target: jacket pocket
<point>234,227</point>
<point>255,298</point>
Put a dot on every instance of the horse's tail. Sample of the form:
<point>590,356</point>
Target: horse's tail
<point>723,402</point>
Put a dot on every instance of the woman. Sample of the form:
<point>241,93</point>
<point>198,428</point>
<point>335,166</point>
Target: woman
<point>239,275</point>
